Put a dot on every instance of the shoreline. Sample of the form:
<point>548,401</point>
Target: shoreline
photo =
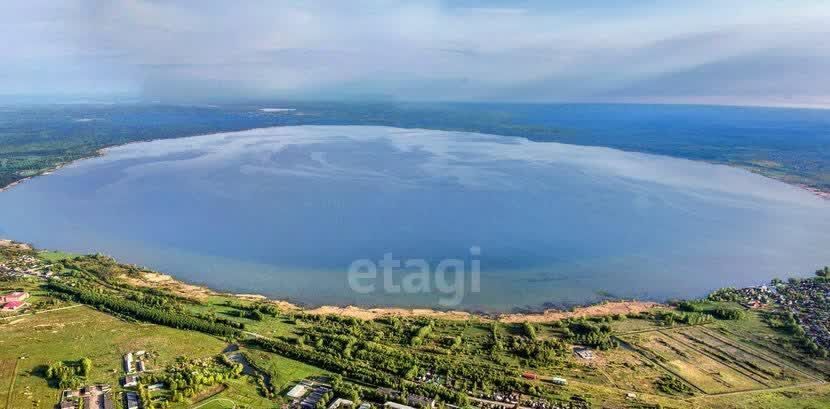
<point>48,171</point>
<point>166,282</point>
<point>822,194</point>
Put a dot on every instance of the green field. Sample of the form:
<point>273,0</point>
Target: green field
<point>216,403</point>
<point>74,333</point>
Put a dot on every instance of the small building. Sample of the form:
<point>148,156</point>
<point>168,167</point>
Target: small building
<point>298,391</point>
<point>130,381</point>
<point>529,375</point>
<point>155,387</point>
<point>559,381</point>
<point>340,402</point>
<point>130,400</point>
<point>88,397</point>
<point>365,405</point>
<point>395,405</point>
<point>584,353</point>
<point>13,305</point>
<point>631,395</point>
<point>140,366</point>
<point>14,296</point>
<point>419,401</point>
<point>128,362</point>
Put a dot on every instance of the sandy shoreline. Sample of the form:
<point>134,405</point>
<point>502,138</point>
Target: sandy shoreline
<point>182,289</point>
<point>200,293</point>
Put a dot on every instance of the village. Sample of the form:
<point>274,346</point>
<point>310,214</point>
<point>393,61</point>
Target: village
<point>25,265</point>
<point>809,302</point>
<point>21,266</point>
<point>804,302</point>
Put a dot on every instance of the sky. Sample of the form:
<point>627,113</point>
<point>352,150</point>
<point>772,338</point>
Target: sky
<point>756,52</point>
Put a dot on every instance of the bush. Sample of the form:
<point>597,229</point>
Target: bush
<point>725,313</point>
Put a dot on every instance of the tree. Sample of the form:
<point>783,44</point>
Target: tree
<point>86,366</point>
<point>530,330</point>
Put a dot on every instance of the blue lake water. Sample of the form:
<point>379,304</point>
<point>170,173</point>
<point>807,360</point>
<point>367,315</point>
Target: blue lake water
<point>286,211</point>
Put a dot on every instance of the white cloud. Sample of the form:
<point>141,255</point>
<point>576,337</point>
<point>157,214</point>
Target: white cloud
<point>407,50</point>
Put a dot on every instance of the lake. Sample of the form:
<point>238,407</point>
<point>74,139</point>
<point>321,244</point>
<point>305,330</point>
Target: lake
<point>477,222</point>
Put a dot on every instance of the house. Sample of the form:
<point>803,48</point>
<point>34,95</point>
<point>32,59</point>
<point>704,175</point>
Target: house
<point>419,401</point>
<point>88,397</point>
<point>13,305</point>
<point>14,296</point>
<point>341,402</point>
<point>130,381</point>
<point>131,400</point>
<point>559,381</point>
<point>128,362</point>
<point>584,352</point>
<point>316,396</point>
<point>140,366</point>
<point>297,391</point>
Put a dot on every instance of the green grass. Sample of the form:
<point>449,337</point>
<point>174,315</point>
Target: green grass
<point>754,332</point>
<point>243,393</point>
<point>216,403</point>
<point>53,256</point>
<point>83,332</point>
<point>284,372</point>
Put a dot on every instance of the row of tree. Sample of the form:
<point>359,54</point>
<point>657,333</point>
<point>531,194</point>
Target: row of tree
<point>120,305</point>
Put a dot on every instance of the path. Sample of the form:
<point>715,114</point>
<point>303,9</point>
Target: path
<point>11,384</point>
<point>41,312</point>
<point>233,404</point>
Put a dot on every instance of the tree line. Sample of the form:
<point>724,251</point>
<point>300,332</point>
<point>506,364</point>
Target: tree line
<point>142,312</point>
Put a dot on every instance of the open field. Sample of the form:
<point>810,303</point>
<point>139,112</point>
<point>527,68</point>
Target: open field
<point>284,372</point>
<point>71,334</point>
<point>216,403</point>
<point>240,393</point>
<point>8,369</point>
<point>706,373</point>
<point>53,256</point>
<point>715,364</point>
<point>755,333</point>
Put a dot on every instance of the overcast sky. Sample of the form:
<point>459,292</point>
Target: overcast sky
<point>736,52</point>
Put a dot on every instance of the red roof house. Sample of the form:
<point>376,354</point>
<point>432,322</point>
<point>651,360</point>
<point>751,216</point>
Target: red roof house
<point>13,305</point>
<point>15,296</point>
